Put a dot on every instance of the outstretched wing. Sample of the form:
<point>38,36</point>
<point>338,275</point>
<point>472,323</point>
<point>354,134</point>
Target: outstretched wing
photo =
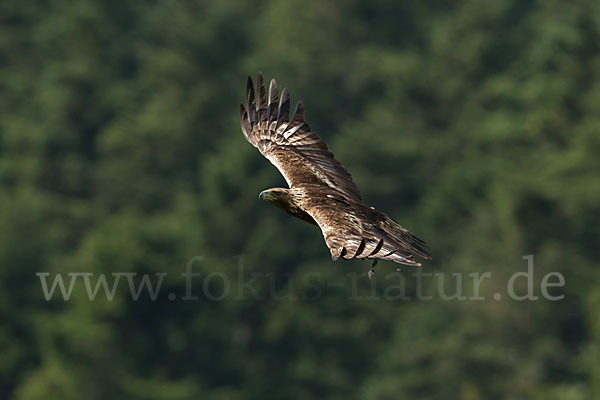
<point>301,156</point>
<point>354,230</point>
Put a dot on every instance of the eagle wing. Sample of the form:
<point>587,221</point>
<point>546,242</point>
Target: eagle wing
<point>301,156</point>
<point>353,230</point>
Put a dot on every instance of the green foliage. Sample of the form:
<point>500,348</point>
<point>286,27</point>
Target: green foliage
<point>474,124</point>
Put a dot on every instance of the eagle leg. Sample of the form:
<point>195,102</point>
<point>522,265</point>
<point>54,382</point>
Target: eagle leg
<point>372,269</point>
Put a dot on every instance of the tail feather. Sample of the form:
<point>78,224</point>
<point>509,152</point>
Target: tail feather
<point>405,239</point>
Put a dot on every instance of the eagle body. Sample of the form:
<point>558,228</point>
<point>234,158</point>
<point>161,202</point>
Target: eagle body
<point>321,191</point>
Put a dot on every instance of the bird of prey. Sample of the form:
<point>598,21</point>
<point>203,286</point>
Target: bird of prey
<point>321,190</point>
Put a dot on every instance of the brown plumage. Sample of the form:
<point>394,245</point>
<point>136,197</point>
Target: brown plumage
<point>321,190</point>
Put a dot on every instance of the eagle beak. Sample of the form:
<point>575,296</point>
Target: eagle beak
<point>262,195</point>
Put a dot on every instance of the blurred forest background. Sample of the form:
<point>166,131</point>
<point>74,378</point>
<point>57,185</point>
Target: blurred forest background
<point>473,123</point>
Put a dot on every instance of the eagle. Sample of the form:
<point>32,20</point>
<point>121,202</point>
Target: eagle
<point>321,191</point>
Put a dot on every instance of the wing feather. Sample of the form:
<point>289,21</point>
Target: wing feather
<point>273,100</point>
<point>299,154</point>
<point>283,112</point>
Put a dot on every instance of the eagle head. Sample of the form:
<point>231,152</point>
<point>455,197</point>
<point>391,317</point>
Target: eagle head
<point>288,200</point>
<point>277,196</point>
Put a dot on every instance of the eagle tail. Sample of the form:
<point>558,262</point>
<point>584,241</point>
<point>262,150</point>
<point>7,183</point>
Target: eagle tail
<point>405,239</point>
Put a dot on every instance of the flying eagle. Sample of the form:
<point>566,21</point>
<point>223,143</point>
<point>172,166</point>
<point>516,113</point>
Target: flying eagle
<point>321,190</point>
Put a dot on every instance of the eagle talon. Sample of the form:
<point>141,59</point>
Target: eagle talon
<point>372,269</point>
